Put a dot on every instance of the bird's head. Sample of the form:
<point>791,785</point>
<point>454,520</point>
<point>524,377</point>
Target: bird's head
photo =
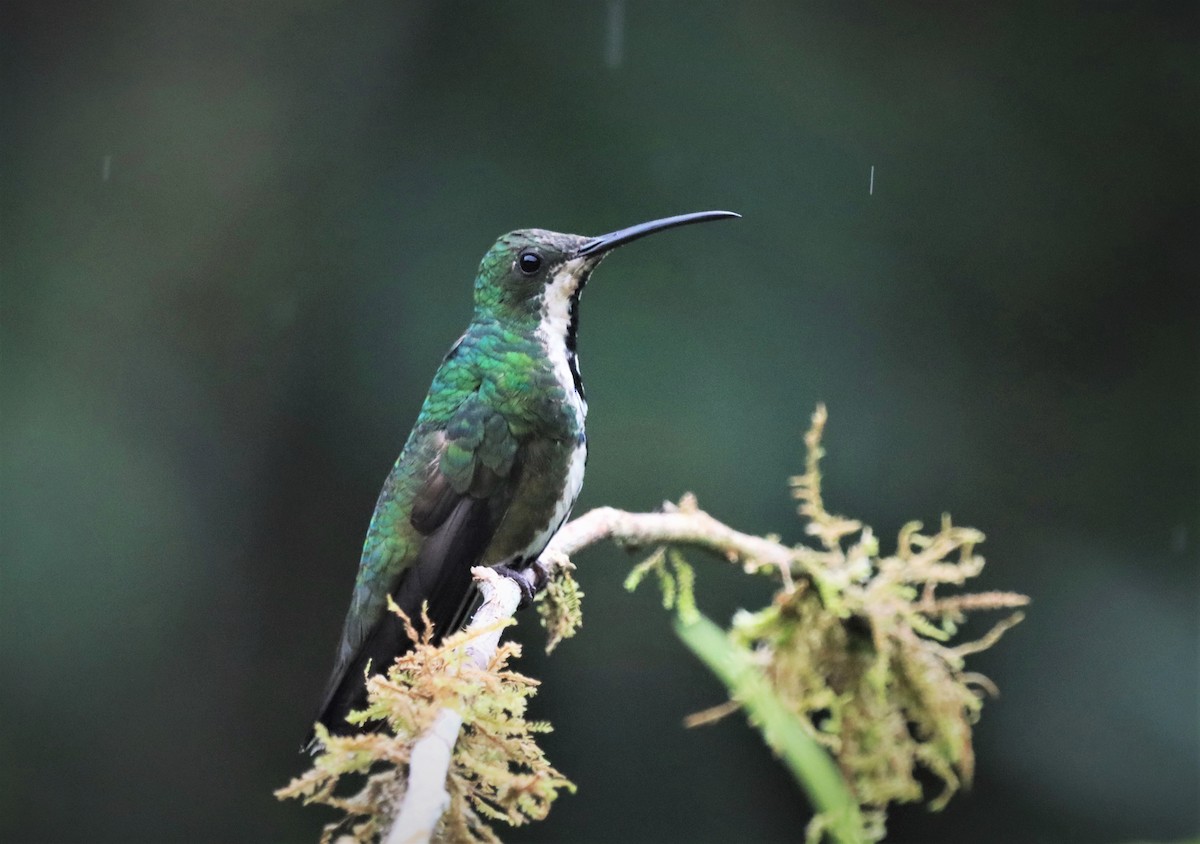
<point>534,274</point>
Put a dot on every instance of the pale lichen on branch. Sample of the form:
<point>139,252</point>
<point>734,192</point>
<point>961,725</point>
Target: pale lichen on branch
<point>855,644</point>
<point>460,696</point>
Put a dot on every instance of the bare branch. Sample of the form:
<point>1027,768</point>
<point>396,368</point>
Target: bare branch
<point>682,525</point>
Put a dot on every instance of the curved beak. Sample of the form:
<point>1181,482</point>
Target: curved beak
<point>599,245</point>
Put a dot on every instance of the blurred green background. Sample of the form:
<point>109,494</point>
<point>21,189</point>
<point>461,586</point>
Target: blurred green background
<point>238,237</point>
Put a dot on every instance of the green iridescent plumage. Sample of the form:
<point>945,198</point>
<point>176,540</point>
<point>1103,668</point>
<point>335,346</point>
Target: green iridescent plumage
<point>483,470</point>
<point>495,461</point>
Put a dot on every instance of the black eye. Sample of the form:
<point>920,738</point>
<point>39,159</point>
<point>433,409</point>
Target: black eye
<point>529,262</point>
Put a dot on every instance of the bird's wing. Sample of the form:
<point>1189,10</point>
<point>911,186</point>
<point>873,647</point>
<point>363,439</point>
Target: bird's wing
<point>435,517</point>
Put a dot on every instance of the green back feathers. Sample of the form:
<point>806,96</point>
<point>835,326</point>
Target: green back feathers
<point>496,375</point>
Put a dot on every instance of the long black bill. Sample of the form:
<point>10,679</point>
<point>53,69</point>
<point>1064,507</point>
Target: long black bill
<point>603,243</point>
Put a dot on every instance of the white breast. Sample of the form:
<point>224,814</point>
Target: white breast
<point>552,332</point>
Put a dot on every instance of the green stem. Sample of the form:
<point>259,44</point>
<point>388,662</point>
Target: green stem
<point>808,762</point>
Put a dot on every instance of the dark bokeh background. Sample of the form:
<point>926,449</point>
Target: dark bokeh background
<point>237,238</point>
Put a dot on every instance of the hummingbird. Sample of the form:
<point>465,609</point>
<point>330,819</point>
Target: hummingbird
<point>495,461</point>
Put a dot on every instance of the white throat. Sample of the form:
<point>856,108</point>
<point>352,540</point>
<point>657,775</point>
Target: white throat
<point>554,329</point>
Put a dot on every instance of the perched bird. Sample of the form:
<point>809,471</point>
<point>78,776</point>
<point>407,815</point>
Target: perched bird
<point>495,461</point>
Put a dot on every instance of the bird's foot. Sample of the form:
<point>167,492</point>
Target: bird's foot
<point>530,580</point>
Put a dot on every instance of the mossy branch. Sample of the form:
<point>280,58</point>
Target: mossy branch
<point>426,797</point>
<point>737,668</point>
<point>459,751</point>
<point>854,649</point>
<point>849,673</point>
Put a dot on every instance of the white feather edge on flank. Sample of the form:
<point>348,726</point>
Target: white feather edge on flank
<point>562,510</point>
